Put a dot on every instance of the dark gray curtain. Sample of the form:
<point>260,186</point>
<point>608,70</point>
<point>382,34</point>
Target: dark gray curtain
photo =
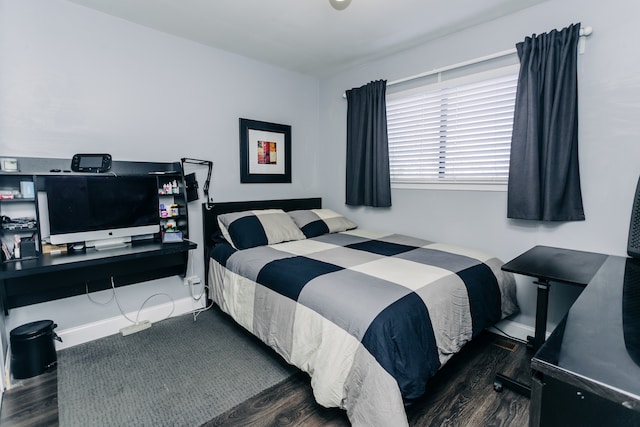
<point>368,181</point>
<point>544,177</point>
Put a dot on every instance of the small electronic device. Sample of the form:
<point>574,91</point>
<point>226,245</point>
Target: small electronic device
<point>93,163</point>
<point>172,237</point>
<point>9,165</point>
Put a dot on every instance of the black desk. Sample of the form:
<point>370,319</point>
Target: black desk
<point>548,264</point>
<point>50,277</point>
<point>588,372</point>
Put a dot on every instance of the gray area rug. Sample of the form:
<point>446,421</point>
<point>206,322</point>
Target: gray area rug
<point>176,373</point>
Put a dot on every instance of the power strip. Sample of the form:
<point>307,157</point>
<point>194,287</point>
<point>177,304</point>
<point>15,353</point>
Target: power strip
<point>136,327</point>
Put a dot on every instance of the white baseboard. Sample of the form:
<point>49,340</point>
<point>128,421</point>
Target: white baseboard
<point>102,328</point>
<point>515,329</point>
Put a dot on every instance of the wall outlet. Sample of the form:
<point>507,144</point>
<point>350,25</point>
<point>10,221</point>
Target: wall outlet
<point>191,280</point>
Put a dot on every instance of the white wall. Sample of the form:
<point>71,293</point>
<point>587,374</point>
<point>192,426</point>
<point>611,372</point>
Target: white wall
<point>76,80</point>
<point>609,100</point>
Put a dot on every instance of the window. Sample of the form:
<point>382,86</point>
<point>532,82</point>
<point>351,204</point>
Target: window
<point>458,131</point>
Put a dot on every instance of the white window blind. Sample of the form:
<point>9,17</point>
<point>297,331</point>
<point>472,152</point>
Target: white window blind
<point>456,131</point>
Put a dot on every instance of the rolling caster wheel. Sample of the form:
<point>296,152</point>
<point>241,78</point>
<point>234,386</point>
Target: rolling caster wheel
<point>497,386</point>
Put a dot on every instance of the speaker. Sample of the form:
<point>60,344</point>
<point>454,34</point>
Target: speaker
<point>633,244</point>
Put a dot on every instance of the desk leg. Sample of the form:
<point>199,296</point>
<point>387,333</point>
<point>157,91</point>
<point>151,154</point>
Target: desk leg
<point>541,313</point>
<point>502,381</point>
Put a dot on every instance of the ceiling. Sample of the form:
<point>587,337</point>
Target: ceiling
<point>309,36</point>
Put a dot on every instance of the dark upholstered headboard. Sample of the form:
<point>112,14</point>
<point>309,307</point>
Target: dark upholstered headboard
<point>210,212</point>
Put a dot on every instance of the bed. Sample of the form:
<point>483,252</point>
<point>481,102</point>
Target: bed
<point>369,315</point>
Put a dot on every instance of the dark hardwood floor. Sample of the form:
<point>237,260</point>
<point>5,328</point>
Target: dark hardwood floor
<point>460,395</point>
<point>31,402</point>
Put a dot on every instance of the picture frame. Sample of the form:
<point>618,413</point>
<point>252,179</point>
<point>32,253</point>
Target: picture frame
<point>265,152</point>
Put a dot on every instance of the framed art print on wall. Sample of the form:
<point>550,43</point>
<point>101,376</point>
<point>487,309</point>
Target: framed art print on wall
<point>265,152</point>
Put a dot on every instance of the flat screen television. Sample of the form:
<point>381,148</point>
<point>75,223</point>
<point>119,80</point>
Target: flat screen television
<point>101,211</point>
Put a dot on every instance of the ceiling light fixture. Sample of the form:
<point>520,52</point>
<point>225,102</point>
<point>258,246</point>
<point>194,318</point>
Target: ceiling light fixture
<point>339,4</point>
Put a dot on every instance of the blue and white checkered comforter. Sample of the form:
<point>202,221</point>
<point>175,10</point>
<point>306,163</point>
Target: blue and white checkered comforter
<point>370,316</point>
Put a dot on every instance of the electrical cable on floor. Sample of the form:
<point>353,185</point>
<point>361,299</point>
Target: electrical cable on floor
<point>173,305</point>
<point>86,286</point>
<point>135,322</point>
<point>509,336</point>
<point>113,286</point>
<point>191,286</point>
<point>197,312</point>
<point>189,274</point>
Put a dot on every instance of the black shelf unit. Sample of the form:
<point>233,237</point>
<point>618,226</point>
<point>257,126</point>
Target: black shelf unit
<point>14,205</point>
<point>172,195</point>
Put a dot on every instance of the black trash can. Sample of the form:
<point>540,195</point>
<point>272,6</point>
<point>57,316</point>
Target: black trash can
<point>32,348</point>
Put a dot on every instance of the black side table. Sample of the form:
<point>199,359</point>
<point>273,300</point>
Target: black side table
<point>548,264</point>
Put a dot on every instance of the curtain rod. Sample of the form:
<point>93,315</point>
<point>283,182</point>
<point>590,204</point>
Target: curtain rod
<point>584,32</point>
